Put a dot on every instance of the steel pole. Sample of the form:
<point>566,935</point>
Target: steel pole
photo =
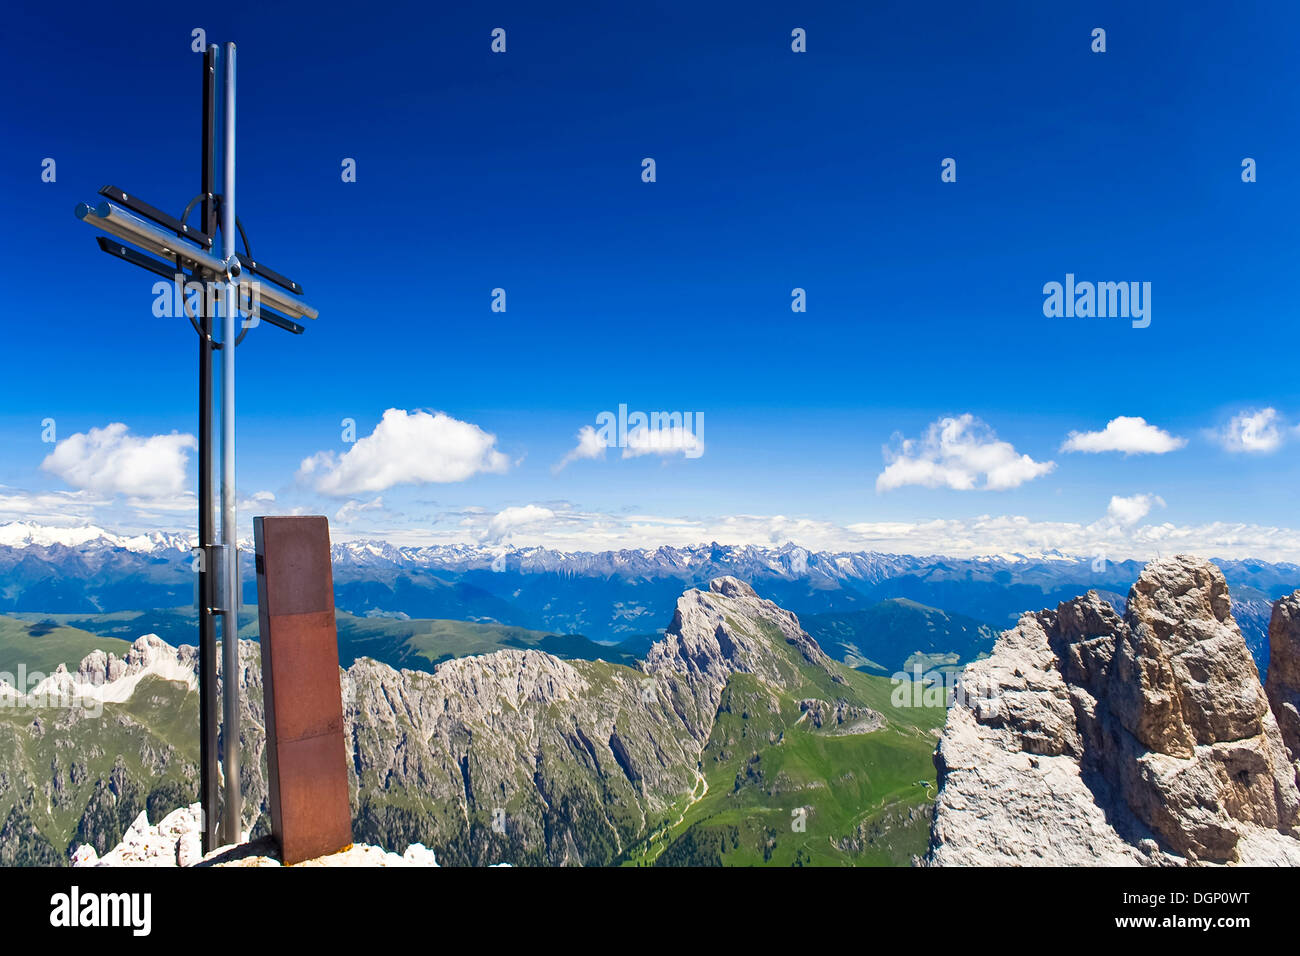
<point>230,599</point>
<point>208,780</point>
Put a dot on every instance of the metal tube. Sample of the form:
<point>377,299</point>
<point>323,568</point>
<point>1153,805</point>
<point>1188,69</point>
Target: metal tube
<point>131,228</point>
<point>291,306</point>
<point>208,716</point>
<point>230,821</point>
<point>139,232</point>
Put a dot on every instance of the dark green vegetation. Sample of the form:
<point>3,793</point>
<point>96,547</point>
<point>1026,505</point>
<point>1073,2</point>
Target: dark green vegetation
<point>775,791</point>
<point>417,644</point>
<point>176,626</point>
<point>901,635</point>
<point>68,777</point>
<point>421,644</point>
<point>42,644</point>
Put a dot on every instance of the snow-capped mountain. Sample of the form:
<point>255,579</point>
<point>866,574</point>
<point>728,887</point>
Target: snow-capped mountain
<point>606,596</point>
<point>23,534</point>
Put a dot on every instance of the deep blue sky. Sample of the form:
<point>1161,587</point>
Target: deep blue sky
<point>775,170</point>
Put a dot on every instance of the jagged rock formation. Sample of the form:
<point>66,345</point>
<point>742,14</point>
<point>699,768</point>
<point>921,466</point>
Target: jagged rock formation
<point>177,841</point>
<point>840,717</point>
<point>1092,739</point>
<point>512,756</point>
<point>1283,684</point>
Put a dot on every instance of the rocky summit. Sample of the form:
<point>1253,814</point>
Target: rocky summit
<point>1088,738</point>
<point>177,841</point>
<point>1283,686</point>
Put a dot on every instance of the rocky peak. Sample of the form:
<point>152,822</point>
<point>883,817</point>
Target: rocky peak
<point>730,629</point>
<point>1284,670</point>
<point>99,667</point>
<point>1091,738</point>
<point>732,587</point>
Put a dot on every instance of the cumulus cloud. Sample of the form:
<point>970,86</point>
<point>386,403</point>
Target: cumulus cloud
<point>49,507</point>
<point>663,440</point>
<point>509,520</point>
<point>111,461</point>
<point>567,528</point>
<point>406,448</point>
<point>1129,511</point>
<point>957,453</point>
<point>351,509</point>
<point>257,501</point>
<point>1130,435</point>
<point>1257,431</point>
<point>669,436</point>
<point>591,444</point>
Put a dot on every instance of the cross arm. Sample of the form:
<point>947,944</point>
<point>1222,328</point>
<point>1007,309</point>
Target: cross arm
<point>168,271</point>
<point>142,208</point>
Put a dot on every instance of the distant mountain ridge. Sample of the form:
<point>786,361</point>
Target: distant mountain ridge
<point>606,596</point>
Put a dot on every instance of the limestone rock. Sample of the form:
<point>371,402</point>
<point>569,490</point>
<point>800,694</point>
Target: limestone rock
<point>841,718</point>
<point>1087,738</point>
<point>173,841</point>
<point>1284,671</point>
<point>518,755</point>
<point>726,630</point>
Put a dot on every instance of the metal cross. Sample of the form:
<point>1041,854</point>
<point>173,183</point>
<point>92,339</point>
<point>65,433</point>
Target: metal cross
<point>217,279</point>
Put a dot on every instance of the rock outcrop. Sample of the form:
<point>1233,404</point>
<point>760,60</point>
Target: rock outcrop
<point>1283,686</point>
<point>726,630</point>
<point>177,839</point>
<point>1087,738</point>
<point>515,755</point>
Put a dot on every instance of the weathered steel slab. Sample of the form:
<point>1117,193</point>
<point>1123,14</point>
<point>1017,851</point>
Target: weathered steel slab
<point>306,752</point>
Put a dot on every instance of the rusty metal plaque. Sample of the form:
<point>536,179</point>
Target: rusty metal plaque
<point>305,748</point>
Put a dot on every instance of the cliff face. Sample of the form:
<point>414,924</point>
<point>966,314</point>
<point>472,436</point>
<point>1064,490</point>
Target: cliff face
<point>1088,738</point>
<point>515,755</point>
<point>1283,685</point>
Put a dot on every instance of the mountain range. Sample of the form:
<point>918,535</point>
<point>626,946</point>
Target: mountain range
<point>736,739</point>
<point>613,596</point>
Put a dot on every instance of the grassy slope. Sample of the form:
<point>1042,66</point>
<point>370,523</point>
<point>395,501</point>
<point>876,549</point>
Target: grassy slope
<point>861,792</point>
<point>42,645</point>
<point>417,644</point>
<point>420,644</point>
<point>160,716</point>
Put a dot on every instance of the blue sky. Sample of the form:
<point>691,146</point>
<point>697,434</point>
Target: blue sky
<point>774,170</point>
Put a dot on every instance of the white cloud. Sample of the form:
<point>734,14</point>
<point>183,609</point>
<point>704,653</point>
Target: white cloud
<point>110,461</point>
<point>1129,511</point>
<point>257,501</point>
<point>1118,534</point>
<point>664,440</point>
<point>955,453</point>
<point>513,519</point>
<point>351,509</point>
<point>648,439</point>
<point>569,529</point>
<point>58,508</point>
<point>1255,431</point>
<point>591,444</point>
<point>1130,435</point>
<point>406,448</point>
